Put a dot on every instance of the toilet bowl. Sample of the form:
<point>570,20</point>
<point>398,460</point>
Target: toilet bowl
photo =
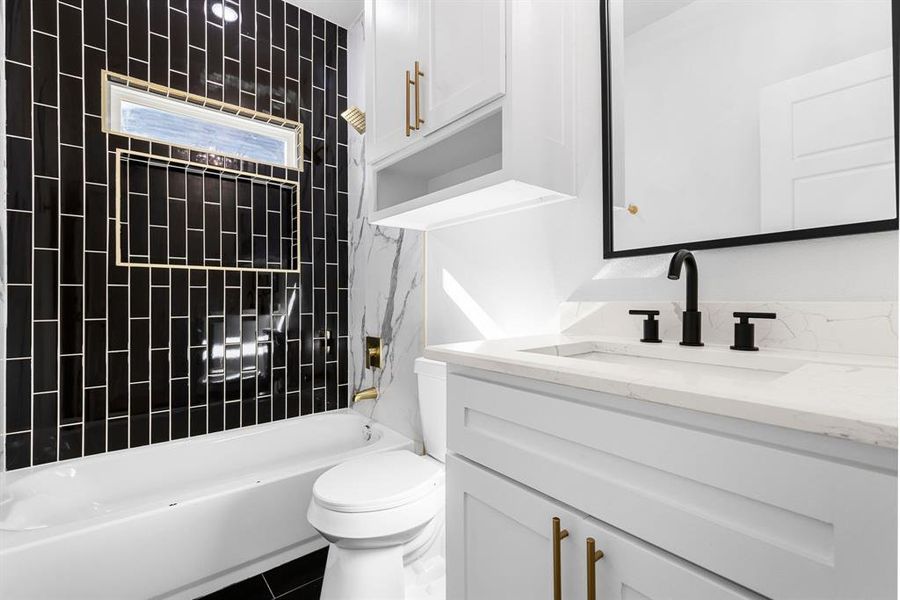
<point>384,513</point>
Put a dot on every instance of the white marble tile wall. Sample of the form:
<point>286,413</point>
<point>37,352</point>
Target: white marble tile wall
<point>386,291</point>
<point>846,327</point>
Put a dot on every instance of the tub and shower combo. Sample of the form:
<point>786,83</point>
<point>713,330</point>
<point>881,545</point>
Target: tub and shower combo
<point>178,519</point>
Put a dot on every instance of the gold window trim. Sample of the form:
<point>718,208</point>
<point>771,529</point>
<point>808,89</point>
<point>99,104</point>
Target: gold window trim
<point>121,153</point>
<point>108,77</point>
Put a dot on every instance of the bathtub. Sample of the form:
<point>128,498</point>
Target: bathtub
<point>173,520</point>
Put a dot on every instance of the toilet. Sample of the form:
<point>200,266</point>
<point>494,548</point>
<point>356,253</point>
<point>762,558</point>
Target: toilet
<point>384,513</point>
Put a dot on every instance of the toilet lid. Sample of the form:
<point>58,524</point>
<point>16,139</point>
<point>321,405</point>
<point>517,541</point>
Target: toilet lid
<point>377,482</point>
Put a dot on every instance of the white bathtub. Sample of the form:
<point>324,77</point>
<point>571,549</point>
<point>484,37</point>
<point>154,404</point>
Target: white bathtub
<point>178,519</point>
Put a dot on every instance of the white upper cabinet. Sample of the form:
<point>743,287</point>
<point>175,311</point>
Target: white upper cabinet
<point>393,43</point>
<point>486,123</point>
<point>466,57</point>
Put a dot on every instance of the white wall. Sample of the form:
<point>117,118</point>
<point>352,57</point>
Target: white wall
<point>517,268</point>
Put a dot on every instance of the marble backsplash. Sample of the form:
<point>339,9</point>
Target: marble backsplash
<point>845,327</point>
<point>386,295</point>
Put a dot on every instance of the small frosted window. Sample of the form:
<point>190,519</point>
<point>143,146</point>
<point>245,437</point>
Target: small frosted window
<point>184,130</point>
<point>152,116</point>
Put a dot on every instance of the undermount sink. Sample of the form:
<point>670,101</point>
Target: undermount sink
<point>671,358</point>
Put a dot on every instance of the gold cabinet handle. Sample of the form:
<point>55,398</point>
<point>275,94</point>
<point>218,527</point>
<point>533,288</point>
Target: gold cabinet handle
<point>593,556</point>
<point>407,81</point>
<point>419,73</point>
<point>558,536</point>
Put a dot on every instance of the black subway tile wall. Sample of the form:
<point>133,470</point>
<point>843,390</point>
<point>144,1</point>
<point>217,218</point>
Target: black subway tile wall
<point>178,213</point>
<point>104,357</point>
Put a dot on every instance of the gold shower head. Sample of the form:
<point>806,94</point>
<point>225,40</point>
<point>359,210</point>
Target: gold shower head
<point>356,118</point>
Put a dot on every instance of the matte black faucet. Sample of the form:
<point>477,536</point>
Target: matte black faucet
<point>690,322</point>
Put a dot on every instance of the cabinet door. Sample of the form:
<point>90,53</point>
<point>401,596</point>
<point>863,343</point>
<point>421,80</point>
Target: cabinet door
<point>499,539</point>
<point>465,66</point>
<point>392,32</point>
<point>633,570</point>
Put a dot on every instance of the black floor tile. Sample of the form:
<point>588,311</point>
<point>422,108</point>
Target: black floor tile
<point>298,572</point>
<point>300,579</point>
<point>310,591</point>
<point>254,588</point>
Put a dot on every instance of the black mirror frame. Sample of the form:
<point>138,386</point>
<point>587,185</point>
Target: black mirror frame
<point>744,240</point>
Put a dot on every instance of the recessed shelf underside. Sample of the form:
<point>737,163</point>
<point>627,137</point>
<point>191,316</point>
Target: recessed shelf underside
<point>499,198</point>
<point>463,177</point>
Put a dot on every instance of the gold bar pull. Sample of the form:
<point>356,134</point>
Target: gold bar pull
<point>407,82</point>
<point>593,556</point>
<point>558,536</point>
<point>419,73</point>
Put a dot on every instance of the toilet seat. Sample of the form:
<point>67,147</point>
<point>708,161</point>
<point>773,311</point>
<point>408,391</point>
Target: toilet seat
<point>377,482</point>
<point>377,500</point>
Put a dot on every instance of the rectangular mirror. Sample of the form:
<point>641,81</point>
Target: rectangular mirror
<point>735,122</point>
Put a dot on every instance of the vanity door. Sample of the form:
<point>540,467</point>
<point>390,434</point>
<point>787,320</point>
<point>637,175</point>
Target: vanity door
<point>631,569</point>
<point>500,540</point>
<point>393,30</point>
<point>465,61</point>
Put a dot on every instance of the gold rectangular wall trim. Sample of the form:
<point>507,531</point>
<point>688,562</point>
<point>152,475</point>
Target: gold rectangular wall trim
<point>373,352</point>
<point>124,154</point>
<point>194,99</point>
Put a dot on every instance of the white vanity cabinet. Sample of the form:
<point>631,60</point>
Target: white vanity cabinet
<point>502,546</point>
<point>487,125</point>
<point>630,568</point>
<point>500,543</point>
<point>683,504</point>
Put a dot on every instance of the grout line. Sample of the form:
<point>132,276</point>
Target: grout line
<point>268,587</point>
<point>84,210</point>
<point>308,583</point>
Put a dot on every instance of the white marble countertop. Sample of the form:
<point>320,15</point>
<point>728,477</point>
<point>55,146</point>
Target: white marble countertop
<point>841,395</point>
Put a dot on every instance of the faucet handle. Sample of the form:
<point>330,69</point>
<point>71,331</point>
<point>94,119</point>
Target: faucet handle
<point>743,316</point>
<point>744,331</point>
<point>651,325</point>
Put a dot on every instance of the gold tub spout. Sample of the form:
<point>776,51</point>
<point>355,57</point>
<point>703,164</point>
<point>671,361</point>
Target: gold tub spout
<point>366,394</point>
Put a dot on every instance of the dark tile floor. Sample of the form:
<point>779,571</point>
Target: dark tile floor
<point>300,579</point>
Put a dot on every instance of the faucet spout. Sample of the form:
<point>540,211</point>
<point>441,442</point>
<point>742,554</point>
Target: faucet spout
<point>685,258</point>
<point>691,317</point>
<point>366,394</point>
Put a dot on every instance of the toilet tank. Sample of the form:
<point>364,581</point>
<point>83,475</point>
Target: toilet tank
<point>432,377</point>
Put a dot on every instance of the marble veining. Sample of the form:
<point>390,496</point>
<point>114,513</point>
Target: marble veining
<point>845,327</point>
<point>386,292</point>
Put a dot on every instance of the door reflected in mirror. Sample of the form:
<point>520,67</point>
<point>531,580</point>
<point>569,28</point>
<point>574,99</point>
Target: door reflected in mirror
<point>741,121</point>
